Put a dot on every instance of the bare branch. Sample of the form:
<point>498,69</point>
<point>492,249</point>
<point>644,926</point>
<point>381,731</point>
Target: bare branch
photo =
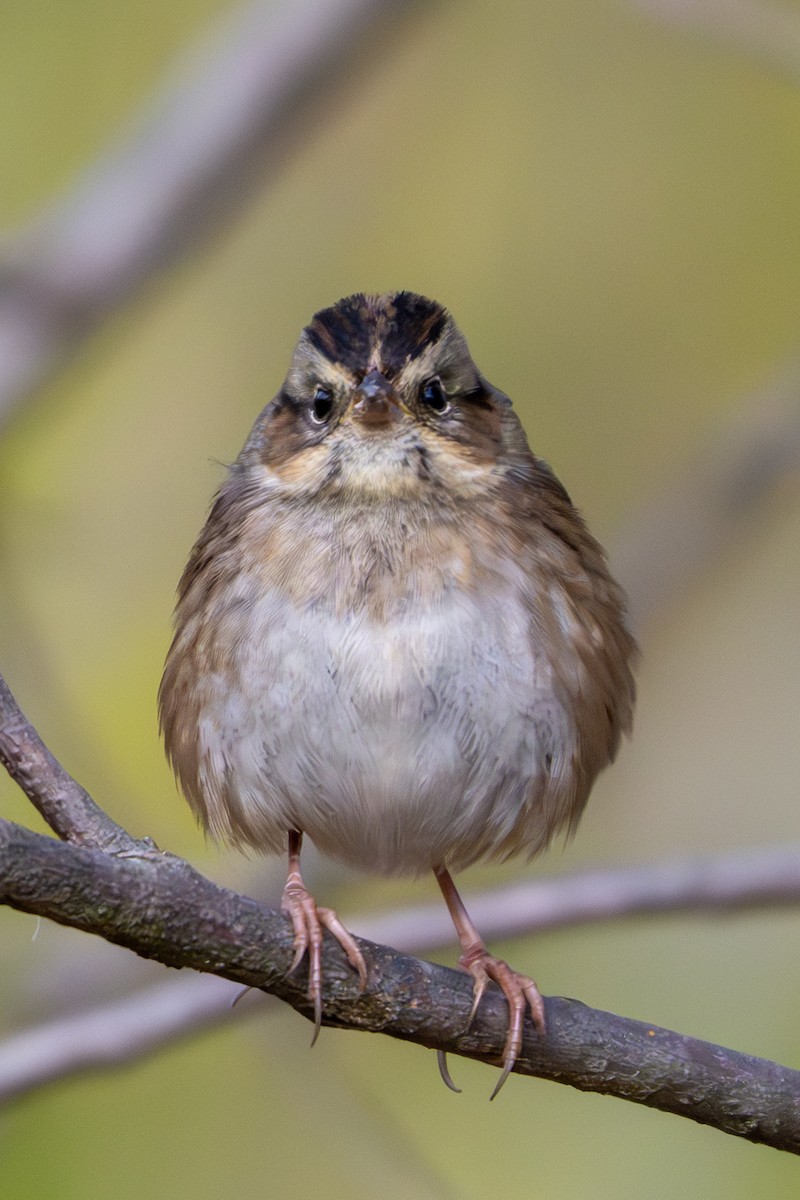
<point>127,1029</point>
<point>67,808</point>
<point>225,122</point>
<point>158,906</point>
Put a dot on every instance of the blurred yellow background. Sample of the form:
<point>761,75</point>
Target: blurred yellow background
<point>610,206</point>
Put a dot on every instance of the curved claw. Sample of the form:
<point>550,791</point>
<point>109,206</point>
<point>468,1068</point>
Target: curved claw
<point>520,993</point>
<point>504,1074</point>
<point>480,979</point>
<point>444,1071</point>
<point>317,1018</point>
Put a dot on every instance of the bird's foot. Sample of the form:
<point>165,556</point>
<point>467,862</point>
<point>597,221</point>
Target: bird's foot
<point>520,992</point>
<point>308,922</point>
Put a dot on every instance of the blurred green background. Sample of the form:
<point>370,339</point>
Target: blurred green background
<point>610,206</point>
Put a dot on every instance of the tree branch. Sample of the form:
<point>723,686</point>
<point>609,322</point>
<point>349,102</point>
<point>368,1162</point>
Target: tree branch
<point>67,808</point>
<point>122,1030</point>
<point>226,120</point>
<point>160,907</point>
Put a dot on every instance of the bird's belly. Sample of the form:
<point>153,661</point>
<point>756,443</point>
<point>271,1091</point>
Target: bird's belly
<point>394,744</point>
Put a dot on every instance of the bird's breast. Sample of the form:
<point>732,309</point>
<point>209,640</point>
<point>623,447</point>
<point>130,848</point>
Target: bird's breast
<point>410,726</point>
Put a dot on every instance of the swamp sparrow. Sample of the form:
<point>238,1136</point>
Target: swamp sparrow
<point>395,633</point>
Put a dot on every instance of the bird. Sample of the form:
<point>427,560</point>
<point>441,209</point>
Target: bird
<point>395,634</point>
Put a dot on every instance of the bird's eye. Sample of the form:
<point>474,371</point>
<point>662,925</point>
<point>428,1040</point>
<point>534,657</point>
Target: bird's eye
<point>322,405</point>
<point>433,396</point>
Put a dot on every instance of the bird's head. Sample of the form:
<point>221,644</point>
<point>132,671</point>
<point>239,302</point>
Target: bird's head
<point>382,398</point>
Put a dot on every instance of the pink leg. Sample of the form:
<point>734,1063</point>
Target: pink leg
<point>519,990</point>
<point>308,922</point>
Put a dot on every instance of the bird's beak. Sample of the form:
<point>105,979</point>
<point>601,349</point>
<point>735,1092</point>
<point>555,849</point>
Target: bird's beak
<point>375,401</point>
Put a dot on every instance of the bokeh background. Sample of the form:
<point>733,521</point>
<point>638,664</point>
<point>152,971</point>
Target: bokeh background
<point>607,196</point>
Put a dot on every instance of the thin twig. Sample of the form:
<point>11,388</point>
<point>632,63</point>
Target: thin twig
<point>67,808</point>
<point>224,122</point>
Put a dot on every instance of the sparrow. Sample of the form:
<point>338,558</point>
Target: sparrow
<point>395,634</point>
